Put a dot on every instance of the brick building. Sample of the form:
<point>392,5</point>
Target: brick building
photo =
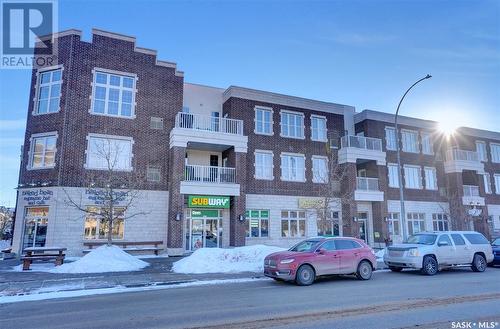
<point>228,167</point>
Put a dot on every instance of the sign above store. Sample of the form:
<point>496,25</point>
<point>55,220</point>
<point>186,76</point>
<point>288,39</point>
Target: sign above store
<point>311,203</point>
<point>204,201</point>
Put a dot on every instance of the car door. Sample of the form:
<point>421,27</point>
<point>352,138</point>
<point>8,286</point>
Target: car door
<point>327,260</point>
<point>348,256</point>
<point>463,252</point>
<point>445,250</point>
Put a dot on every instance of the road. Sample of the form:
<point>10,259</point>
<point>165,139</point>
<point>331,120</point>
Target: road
<point>389,300</point>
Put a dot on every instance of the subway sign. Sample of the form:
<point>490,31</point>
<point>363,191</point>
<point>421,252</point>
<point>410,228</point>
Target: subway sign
<point>204,201</point>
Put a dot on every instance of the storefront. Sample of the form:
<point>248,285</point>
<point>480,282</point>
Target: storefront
<point>35,227</point>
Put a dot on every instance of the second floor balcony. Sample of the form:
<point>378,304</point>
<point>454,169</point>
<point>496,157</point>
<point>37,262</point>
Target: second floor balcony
<point>354,148</point>
<point>471,196</point>
<point>457,160</point>
<point>367,189</point>
<point>209,180</point>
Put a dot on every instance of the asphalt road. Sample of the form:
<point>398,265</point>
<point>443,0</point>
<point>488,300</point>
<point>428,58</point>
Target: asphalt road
<point>389,300</point>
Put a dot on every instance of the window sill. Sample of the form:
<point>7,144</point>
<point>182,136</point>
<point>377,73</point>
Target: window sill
<point>293,181</point>
<point>264,178</point>
<point>39,114</point>
<point>107,169</point>
<point>41,168</point>
<point>291,137</point>
<point>263,134</point>
<point>112,115</point>
<point>319,140</point>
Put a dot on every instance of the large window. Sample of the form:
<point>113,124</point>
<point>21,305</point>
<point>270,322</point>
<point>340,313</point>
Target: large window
<point>109,153</point>
<point>49,91</point>
<point>487,183</point>
<point>481,151</point>
<point>497,183</point>
<point>390,138</point>
<point>292,124</point>
<point>430,178</point>
<point>409,139</point>
<point>264,165</point>
<point>43,151</point>
<point>495,152</point>
<point>97,227</point>
<point>329,226</point>
<point>393,223</point>
<point>416,222</point>
<point>392,171</point>
<point>263,121</point>
<point>318,128</point>
<point>113,95</point>
<point>440,222</point>
<point>153,174</point>
<point>427,146</point>
<point>293,223</point>
<point>320,169</point>
<point>293,167</point>
<point>413,177</point>
<point>258,223</point>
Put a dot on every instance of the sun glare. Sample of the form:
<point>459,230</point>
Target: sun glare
<point>448,127</point>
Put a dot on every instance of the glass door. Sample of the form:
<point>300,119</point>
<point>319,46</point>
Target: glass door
<point>211,232</point>
<point>205,231</point>
<point>196,233</point>
<point>363,218</point>
<point>35,227</point>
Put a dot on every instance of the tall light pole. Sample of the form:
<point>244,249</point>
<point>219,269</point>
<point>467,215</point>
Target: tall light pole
<point>400,174</point>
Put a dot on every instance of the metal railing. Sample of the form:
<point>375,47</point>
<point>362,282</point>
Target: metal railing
<point>208,123</point>
<point>367,143</point>
<point>367,184</point>
<point>456,154</point>
<point>210,174</point>
<point>471,190</point>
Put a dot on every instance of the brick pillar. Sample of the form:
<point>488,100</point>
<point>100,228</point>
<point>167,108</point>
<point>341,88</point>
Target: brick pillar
<point>237,228</point>
<point>349,207</point>
<point>455,192</point>
<point>176,202</point>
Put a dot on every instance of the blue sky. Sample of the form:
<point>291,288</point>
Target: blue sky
<point>361,53</point>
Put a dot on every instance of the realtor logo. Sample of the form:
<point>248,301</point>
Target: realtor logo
<point>26,32</point>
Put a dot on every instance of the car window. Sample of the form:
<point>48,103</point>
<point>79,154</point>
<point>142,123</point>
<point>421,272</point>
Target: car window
<point>444,238</point>
<point>343,244</point>
<point>427,239</point>
<point>328,245</point>
<point>305,246</point>
<point>476,238</point>
<point>496,242</point>
<point>457,238</point>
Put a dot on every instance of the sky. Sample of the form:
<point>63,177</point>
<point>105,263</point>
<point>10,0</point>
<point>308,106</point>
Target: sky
<point>360,53</point>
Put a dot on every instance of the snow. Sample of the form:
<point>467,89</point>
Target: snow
<point>4,244</point>
<point>218,260</point>
<point>380,254</point>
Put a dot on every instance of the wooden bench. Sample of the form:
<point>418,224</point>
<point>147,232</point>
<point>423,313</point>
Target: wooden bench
<point>127,246</point>
<point>38,253</point>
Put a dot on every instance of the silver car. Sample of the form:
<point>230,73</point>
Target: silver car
<point>433,251</point>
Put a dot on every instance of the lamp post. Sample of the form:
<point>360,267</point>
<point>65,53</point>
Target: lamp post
<point>400,174</point>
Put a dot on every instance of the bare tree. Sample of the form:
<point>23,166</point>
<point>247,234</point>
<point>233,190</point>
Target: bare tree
<point>5,223</point>
<point>456,211</point>
<point>113,187</point>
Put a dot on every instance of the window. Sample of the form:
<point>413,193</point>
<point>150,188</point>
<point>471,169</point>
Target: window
<point>43,151</point>
<point>416,222</point>
<point>258,223</point>
<point>97,227</point>
<point>445,238</point>
<point>329,226</point>
<point>113,94</point>
<point>263,121</point>
<point>264,165</point>
<point>413,177</point>
<point>390,138</point>
<point>497,183</point>
<point>392,170</point>
<point>153,174</point>
<point>293,223</point>
<point>495,152</point>
<point>487,183</point>
<point>344,244</point>
<point>430,178</point>
<point>440,222</point>
<point>328,245</point>
<point>475,238</point>
<point>292,124</point>
<point>458,240</point>
<point>156,123</point>
<point>293,168</point>
<point>409,140</point>
<point>318,128</point>
<point>393,223</point>
<point>113,153</point>
<point>427,146</point>
<point>49,91</point>
<point>481,151</point>
<point>320,169</point>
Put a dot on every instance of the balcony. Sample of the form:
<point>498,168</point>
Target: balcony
<point>353,148</point>
<point>471,196</point>
<point>207,132</point>
<point>209,180</point>
<point>459,160</point>
<point>367,189</point>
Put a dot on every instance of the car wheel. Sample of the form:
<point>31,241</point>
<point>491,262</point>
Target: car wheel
<point>478,263</point>
<point>305,275</point>
<point>364,271</point>
<point>395,269</point>
<point>430,265</point>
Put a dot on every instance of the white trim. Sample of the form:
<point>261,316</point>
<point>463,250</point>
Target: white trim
<point>416,140</point>
<point>263,108</point>
<point>29,165</point>
<point>389,173</point>
<point>316,116</point>
<point>435,178</point>
<point>491,151</point>
<point>292,113</point>
<point>485,150</point>
<point>420,185</point>
<point>255,167</point>
<point>281,166</point>
<point>320,157</point>
<point>104,136</point>
<point>395,138</point>
<point>431,143</point>
<point>113,35</point>
<point>497,186</point>
<point>37,89</point>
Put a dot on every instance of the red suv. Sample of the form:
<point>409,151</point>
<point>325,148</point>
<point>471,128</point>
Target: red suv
<point>312,258</point>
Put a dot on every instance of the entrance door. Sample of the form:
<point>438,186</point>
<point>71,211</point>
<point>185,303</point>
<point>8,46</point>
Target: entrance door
<point>35,227</point>
<point>205,229</point>
<point>211,233</point>
<point>363,229</point>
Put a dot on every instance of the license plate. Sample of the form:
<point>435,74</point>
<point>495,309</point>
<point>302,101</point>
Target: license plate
<point>396,253</point>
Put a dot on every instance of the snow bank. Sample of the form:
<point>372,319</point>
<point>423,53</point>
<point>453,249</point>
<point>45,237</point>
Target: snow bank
<point>217,260</point>
<point>380,254</point>
<point>4,244</point>
<point>103,259</point>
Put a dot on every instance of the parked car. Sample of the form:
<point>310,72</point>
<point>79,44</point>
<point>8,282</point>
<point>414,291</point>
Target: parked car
<point>312,258</point>
<point>433,251</point>
<point>495,245</point>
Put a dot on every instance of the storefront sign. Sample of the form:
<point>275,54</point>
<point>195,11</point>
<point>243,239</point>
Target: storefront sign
<point>36,197</point>
<point>308,203</point>
<point>100,196</point>
<point>202,201</point>
<point>205,213</point>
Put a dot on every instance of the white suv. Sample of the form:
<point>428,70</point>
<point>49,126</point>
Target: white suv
<point>432,251</point>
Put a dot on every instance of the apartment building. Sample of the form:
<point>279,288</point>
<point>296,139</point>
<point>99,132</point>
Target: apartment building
<point>215,167</point>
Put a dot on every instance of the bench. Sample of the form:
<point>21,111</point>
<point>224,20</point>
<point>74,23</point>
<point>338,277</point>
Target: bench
<point>38,253</point>
<point>127,246</point>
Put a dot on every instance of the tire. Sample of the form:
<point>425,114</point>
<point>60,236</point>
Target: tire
<point>478,263</point>
<point>430,266</point>
<point>305,276</point>
<point>395,269</point>
<point>364,271</point>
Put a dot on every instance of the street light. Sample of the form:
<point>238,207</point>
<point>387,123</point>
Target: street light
<point>400,174</point>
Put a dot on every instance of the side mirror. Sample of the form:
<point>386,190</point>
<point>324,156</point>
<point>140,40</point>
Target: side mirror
<point>443,243</point>
<point>321,251</point>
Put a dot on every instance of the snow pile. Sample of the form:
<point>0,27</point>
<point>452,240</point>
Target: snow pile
<point>217,260</point>
<point>103,259</point>
<point>4,244</point>
<point>380,254</point>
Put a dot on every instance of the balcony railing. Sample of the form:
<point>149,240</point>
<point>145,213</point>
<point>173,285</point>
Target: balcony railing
<point>367,184</point>
<point>471,190</point>
<point>210,174</point>
<point>367,143</point>
<point>208,123</point>
<point>456,154</point>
